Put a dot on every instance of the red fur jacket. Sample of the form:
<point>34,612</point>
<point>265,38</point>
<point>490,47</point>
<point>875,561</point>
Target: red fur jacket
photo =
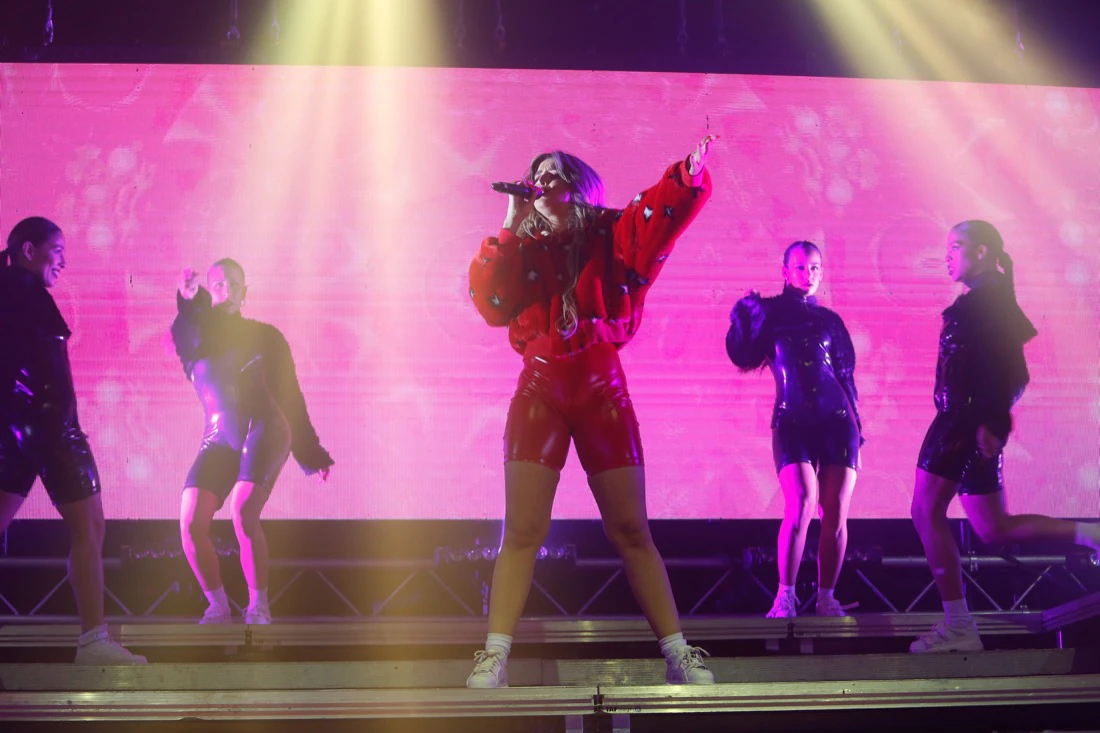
<point>518,282</point>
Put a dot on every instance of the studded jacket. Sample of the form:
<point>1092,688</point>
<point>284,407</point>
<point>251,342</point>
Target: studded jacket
<point>981,371</point>
<point>518,281</point>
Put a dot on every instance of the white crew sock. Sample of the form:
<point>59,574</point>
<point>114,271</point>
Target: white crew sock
<point>957,613</point>
<point>672,643</point>
<point>257,597</point>
<point>93,634</point>
<point>500,642</point>
<point>217,597</point>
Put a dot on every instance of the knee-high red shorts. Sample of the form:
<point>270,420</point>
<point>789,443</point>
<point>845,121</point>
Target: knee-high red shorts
<point>582,396</point>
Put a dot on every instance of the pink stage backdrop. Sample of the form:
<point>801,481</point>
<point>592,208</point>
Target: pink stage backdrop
<point>356,197</point>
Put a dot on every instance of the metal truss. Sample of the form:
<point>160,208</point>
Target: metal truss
<point>455,583</point>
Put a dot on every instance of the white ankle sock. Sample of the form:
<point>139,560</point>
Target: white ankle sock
<point>502,642</point>
<point>824,594</point>
<point>1087,534</point>
<point>257,597</point>
<point>92,634</point>
<point>671,643</point>
<point>786,590</point>
<point>217,597</point>
<point>957,613</point>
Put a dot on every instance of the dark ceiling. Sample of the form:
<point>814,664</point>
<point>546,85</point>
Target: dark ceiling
<point>724,36</point>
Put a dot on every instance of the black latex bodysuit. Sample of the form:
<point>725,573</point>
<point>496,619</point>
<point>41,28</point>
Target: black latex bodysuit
<point>809,351</point>
<point>243,374</point>
<point>981,371</point>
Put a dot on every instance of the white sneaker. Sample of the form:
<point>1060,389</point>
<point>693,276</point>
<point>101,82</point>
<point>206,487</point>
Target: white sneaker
<point>490,671</point>
<point>686,667</point>
<point>258,614</point>
<point>945,638</point>
<point>785,606</point>
<point>829,606</point>
<point>216,614</point>
<point>102,649</point>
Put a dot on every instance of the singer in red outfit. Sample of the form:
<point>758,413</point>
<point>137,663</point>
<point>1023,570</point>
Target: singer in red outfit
<point>568,278</point>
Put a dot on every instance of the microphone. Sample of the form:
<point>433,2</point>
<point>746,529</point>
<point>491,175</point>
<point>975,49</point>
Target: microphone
<point>523,190</point>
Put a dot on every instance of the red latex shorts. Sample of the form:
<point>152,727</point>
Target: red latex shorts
<point>582,397</point>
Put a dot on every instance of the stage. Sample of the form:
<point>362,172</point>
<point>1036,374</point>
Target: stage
<point>299,671</point>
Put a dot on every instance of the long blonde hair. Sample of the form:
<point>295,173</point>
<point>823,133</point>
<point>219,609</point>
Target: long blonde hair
<point>587,202</point>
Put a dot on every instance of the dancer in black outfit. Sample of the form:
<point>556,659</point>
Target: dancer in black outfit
<point>40,435</point>
<point>244,376</point>
<point>980,374</point>
<point>816,433</point>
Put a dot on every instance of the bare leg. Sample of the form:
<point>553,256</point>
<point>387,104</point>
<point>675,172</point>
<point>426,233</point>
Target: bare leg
<point>620,494</point>
<point>836,485</point>
<point>529,490</point>
<point>989,517</point>
<point>799,485</point>
<point>86,525</point>
<point>197,510</point>
<point>246,503</point>
<point>931,497</point>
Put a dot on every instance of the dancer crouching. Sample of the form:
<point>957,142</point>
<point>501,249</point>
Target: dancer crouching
<point>244,376</point>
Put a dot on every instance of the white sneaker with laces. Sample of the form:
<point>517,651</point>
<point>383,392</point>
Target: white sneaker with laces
<point>685,667</point>
<point>829,606</point>
<point>102,649</point>
<point>946,638</point>
<point>785,606</point>
<point>258,614</point>
<point>490,670</point>
<point>216,614</point>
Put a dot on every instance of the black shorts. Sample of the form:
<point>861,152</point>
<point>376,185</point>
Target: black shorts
<point>832,443</point>
<point>65,464</point>
<point>218,468</point>
<point>950,451</point>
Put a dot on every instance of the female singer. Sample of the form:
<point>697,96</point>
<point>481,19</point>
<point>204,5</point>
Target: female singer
<point>568,278</point>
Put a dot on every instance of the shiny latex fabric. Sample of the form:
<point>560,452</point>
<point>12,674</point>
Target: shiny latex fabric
<point>980,374</point>
<point>41,435</point>
<point>812,360</point>
<point>950,451</point>
<point>981,370</point>
<point>243,374</point>
<point>580,396</point>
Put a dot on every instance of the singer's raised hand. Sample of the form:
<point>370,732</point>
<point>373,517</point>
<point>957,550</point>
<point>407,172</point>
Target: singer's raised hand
<point>189,283</point>
<point>698,158</point>
<point>518,210</point>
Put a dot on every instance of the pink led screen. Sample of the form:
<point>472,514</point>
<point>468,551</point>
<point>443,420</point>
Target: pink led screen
<point>356,197</point>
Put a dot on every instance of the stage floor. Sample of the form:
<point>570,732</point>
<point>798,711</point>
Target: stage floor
<point>470,631</point>
<point>541,688</point>
<point>552,683</point>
